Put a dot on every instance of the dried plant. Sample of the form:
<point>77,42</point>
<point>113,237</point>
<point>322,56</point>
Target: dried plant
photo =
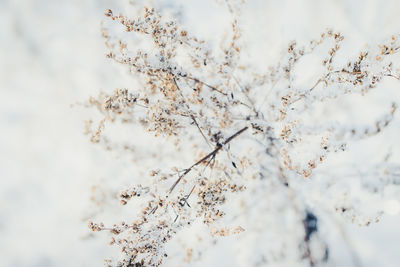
<point>253,139</point>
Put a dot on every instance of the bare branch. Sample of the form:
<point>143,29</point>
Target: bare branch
<point>209,155</point>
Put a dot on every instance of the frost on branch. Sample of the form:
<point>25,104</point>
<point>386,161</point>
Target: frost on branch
<point>253,138</point>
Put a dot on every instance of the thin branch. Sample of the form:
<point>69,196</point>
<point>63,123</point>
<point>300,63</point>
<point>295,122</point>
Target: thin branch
<point>213,88</point>
<point>186,198</point>
<point>209,155</point>
<point>245,95</point>
<point>323,80</point>
<point>198,127</point>
<point>393,76</point>
<point>191,115</point>
<point>209,86</point>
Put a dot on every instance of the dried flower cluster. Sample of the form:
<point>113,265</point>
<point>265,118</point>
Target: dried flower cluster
<point>252,135</point>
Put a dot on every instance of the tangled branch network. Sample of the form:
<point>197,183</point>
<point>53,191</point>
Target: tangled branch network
<point>253,146</point>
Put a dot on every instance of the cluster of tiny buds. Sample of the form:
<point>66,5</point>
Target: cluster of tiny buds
<point>134,192</point>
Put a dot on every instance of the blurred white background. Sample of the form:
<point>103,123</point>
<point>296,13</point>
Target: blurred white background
<point>52,55</point>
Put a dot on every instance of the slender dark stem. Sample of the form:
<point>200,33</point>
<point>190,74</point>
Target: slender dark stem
<point>213,88</point>
<point>198,127</point>
<point>191,116</point>
<point>209,86</point>
<point>209,155</point>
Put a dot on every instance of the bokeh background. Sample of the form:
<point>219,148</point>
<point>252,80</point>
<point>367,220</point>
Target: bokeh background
<point>52,56</point>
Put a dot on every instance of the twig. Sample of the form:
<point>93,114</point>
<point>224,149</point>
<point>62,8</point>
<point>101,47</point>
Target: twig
<point>209,86</point>
<point>213,88</point>
<point>393,76</point>
<point>186,198</point>
<point>209,155</point>
<point>198,127</point>
<point>191,115</point>
<point>245,95</point>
